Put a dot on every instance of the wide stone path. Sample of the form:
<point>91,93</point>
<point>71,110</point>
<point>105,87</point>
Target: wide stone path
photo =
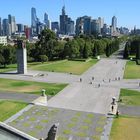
<point>28,98</point>
<point>83,96</point>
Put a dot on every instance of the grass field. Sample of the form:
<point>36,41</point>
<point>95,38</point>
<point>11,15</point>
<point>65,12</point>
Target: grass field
<point>125,128</point>
<point>29,87</point>
<point>74,67</point>
<point>130,97</point>
<point>9,108</point>
<point>10,67</point>
<point>132,71</point>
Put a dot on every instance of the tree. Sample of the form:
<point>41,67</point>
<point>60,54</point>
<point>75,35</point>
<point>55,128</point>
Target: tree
<point>108,50</point>
<point>85,52</point>
<point>43,58</point>
<point>138,50</point>
<point>126,51</point>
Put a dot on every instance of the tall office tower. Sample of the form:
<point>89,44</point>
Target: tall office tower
<point>0,28</point>
<point>47,21</point>
<point>12,24</point>
<point>70,27</point>
<point>101,23</point>
<point>114,23</point>
<point>34,21</point>
<point>63,21</point>
<point>5,27</point>
<point>83,25</point>
<point>87,25</point>
<point>55,26</point>
<point>20,28</point>
<point>79,26</point>
<point>95,27</point>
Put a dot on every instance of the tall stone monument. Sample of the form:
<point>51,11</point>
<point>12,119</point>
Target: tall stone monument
<point>21,57</point>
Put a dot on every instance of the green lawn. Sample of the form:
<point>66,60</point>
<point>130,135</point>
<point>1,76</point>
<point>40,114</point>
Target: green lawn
<point>130,97</point>
<point>29,87</point>
<point>74,67</point>
<point>125,128</point>
<point>132,71</point>
<point>10,67</point>
<point>9,108</point>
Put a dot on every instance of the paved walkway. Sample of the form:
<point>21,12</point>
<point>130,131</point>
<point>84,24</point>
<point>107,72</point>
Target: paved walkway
<point>24,97</point>
<point>83,96</point>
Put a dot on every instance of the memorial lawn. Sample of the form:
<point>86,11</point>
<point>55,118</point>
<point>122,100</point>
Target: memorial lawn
<point>130,97</point>
<point>29,87</point>
<point>132,71</point>
<point>125,128</point>
<point>74,67</point>
<point>10,67</point>
<point>9,108</point>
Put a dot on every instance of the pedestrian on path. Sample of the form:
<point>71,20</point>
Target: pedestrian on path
<point>92,78</point>
<point>80,79</point>
<point>112,107</point>
<point>99,85</point>
<point>117,113</point>
<point>139,84</point>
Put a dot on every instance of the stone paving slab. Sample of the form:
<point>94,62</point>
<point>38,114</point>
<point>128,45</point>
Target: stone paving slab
<point>24,97</point>
<point>74,125</point>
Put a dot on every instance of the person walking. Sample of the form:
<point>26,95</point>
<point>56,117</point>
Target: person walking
<point>112,107</point>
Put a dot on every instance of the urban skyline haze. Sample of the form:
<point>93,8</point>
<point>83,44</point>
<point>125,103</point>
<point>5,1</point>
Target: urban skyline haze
<point>125,11</point>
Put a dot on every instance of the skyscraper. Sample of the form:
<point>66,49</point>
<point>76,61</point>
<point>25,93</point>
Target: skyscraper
<point>79,26</point>
<point>47,21</point>
<point>114,23</point>
<point>12,24</point>
<point>5,27</point>
<point>63,21</point>
<point>20,27</point>
<point>34,21</point>
<point>55,26</point>
<point>66,23</point>
<point>95,27</point>
<point>0,28</point>
<point>101,23</point>
<point>83,25</point>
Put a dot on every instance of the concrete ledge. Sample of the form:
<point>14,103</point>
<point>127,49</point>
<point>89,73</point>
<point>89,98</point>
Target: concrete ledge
<point>42,100</point>
<point>16,132</point>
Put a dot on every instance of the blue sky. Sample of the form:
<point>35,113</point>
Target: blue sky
<point>126,11</point>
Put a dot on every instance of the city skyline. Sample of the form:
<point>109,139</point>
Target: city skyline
<point>124,11</point>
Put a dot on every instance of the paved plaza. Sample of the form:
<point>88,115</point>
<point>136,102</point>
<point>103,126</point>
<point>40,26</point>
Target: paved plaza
<point>81,108</point>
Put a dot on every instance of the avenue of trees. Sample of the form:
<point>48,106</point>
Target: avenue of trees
<point>50,48</point>
<point>132,48</point>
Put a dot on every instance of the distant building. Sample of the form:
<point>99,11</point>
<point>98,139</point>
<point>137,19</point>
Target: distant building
<point>66,24</point>
<point>101,23</point>
<point>105,30</point>
<point>79,26</point>
<point>55,26</point>
<point>34,22</point>
<point>114,24</point>
<point>47,21</point>
<point>95,27</point>
<point>0,27</point>
<point>3,40</point>
<point>5,26</point>
<point>20,28</point>
<point>12,24</point>
<point>83,25</point>
<point>28,33</point>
